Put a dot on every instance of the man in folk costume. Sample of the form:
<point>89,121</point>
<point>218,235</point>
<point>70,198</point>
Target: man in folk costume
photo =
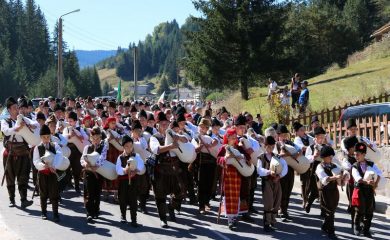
<point>112,155</point>
<point>206,165</point>
<point>231,178</point>
<point>313,155</point>
<point>188,175</point>
<point>247,190</point>
<point>327,186</point>
<point>75,154</point>
<point>92,180</point>
<point>122,127</point>
<point>352,131</point>
<point>166,174</point>
<point>363,196</point>
<point>142,180</point>
<point>272,191</point>
<point>303,141</point>
<point>47,176</point>
<point>287,183</point>
<point>214,134</point>
<point>347,163</point>
<point>16,159</point>
<point>111,108</point>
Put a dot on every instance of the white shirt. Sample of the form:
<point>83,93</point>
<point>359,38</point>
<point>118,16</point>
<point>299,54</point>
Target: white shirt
<point>298,141</point>
<point>262,172</point>
<point>155,145</point>
<point>357,177</point>
<point>322,176</point>
<point>120,170</point>
<point>102,158</point>
<point>272,87</point>
<point>10,131</point>
<point>39,165</point>
<point>82,133</point>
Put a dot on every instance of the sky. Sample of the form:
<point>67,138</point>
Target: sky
<point>107,24</point>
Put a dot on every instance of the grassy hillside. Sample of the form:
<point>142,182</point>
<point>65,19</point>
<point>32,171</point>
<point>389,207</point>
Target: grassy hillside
<point>367,74</point>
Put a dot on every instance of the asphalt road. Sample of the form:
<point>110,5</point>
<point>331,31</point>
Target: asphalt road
<point>27,224</point>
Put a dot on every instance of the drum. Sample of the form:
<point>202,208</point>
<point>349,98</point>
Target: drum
<point>29,135</point>
<point>107,170</point>
<point>186,151</point>
<point>242,167</point>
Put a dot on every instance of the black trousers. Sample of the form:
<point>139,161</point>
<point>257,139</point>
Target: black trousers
<point>127,194</point>
<point>92,191</point>
<point>329,198</point>
<point>168,180</point>
<point>18,169</point>
<point>188,180</point>
<point>365,212</point>
<point>48,189</point>
<point>75,164</point>
<point>287,184</point>
<point>253,188</point>
<point>294,98</point>
<point>206,180</point>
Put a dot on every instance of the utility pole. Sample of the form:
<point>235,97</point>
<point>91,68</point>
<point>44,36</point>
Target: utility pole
<point>60,88</point>
<point>177,84</point>
<point>135,73</point>
<point>60,74</point>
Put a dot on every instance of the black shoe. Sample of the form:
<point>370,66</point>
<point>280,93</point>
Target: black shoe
<point>26,203</point>
<point>171,212</point>
<point>332,235</point>
<point>77,189</point>
<point>56,218</point>
<point>247,218</point>
<point>324,229</point>
<point>323,213</point>
<point>286,218</point>
<point>90,219</point>
<point>123,220</point>
<point>11,203</point>
<point>267,228</point>
<point>193,202</point>
<point>95,216</point>
<point>253,210</point>
<point>367,234</point>
<point>44,216</point>
<point>307,208</point>
<point>356,232</point>
<point>134,224</point>
<point>164,224</point>
<point>232,226</point>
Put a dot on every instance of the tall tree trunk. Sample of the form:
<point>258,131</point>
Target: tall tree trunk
<point>244,87</point>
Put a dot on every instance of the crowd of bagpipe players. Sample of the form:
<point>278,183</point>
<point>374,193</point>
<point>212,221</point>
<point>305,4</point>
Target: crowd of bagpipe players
<point>126,150</point>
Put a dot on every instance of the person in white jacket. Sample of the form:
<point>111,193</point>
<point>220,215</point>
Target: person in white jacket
<point>47,176</point>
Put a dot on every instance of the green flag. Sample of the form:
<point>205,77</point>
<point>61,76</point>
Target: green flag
<point>119,94</point>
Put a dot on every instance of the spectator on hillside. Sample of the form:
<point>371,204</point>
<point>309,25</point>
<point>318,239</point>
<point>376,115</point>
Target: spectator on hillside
<point>295,89</point>
<point>272,87</point>
<point>303,98</point>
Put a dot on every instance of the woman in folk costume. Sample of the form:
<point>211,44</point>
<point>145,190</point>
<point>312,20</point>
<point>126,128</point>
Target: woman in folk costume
<point>347,163</point>
<point>92,180</point>
<point>287,182</point>
<point>247,187</point>
<point>112,155</point>
<point>272,191</point>
<point>363,196</point>
<point>231,178</point>
<point>128,180</point>
<point>327,186</point>
<point>206,164</point>
<point>47,176</point>
<point>143,180</point>
<point>88,124</point>
<point>75,155</point>
<point>313,155</point>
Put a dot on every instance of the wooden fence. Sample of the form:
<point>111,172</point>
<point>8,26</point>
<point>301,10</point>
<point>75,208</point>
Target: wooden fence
<point>374,128</point>
<point>333,115</point>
